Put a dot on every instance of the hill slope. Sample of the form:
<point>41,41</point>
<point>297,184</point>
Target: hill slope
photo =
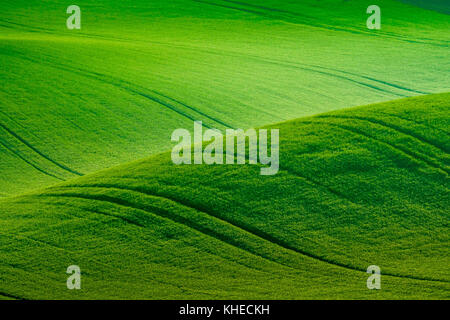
<point>357,187</point>
<point>76,101</point>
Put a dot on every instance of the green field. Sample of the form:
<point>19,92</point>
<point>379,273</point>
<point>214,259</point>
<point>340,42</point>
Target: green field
<point>356,187</point>
<point>115,90</point>
<point>86,177</point>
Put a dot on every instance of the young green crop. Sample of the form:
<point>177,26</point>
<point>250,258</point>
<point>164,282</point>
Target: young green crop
<point>358,187</point>
<point>76,101</point>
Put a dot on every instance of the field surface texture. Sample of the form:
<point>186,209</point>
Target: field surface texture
<point>357,187</point>
<point>86,176</point>
<point>76,101</point>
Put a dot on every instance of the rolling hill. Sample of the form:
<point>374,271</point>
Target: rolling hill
<point>76,101</point>
<point>356,187</point>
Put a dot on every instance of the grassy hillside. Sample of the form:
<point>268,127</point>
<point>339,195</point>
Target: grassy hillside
<point>76,101</point>
<point>357,187</point>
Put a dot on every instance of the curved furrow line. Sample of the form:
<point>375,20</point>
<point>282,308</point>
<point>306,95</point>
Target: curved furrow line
<point>266,12</point>
<point>162,213</point>
<point>144,226</point>
<point>133,88</point>
<point>95,76</point>
<point>17,154</point>
<point>308,66</point>
<point>393,127</point>
<point>130,87</point>
<point>333,75</point>
<point>7,27</point>
<point>27,28</point>
<point>7,234</point>
<point>124,219</point>
<point>171,107</point>
<point>313,182</point>
<point>268,237</point>
<point>200,228</point>
<point>67,205</point>
<point>309,180</point>
<point>75,254</point>
<point>26,143</point>
<point>17,123</point>
<point>384,34</point>
<point>305,67</point>
<point>404,151</point>
<point>272,14</point>
<point>329,189</point>
<point>24,26</point>
<point>412,120</point>
<point>371,79</point>
<point>34,29</point>
<point>387,83</point>
<point>194,109</point>
<point>311,18</point>
<point>285,64</point>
